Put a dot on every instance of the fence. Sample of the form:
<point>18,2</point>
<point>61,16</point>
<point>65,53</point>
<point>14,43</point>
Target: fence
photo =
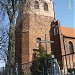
<point>68,64</point>
<point>54,68</point>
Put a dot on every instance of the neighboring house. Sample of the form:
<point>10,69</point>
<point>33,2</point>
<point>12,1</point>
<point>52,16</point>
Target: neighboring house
<point>68,47</point>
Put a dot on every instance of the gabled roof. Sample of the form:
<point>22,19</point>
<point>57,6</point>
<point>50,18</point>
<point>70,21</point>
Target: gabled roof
<point>68,31</point>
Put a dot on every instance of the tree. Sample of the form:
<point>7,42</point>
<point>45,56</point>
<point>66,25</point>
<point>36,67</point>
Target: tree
<point>38,63</point>
<point>9,7</point>
<point>3,43</point>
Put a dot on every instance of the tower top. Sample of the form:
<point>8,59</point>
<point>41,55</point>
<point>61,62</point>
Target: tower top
<point>41,7</point>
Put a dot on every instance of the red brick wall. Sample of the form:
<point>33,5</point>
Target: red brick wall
<point>67,57</point>
<point>22,42</point>
<point>38,27</point>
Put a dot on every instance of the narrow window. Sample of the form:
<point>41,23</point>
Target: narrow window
<point>71,49</point>
<point>52,32</point>
<point>36,5</point>
<point>38,41</point>
<point>45,6</point>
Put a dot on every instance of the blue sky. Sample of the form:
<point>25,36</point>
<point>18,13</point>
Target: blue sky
<point>64,14</point>
<point>2,64</point>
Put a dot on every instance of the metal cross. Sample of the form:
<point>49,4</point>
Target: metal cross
<point>46,42</point>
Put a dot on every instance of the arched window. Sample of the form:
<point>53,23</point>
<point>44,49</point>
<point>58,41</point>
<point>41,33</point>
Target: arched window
<point>38,39</point>
<point>36,5</point>
<point>71,49</point>
<point>45,6</point>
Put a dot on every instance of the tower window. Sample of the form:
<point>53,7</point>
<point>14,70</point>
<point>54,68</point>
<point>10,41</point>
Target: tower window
<point>71,49</point>
<point>45,6</point>
<point>36,5</point>
<point>38,39</point>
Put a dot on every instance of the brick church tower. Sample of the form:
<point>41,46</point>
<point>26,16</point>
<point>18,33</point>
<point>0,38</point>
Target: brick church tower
<point>33,23</point>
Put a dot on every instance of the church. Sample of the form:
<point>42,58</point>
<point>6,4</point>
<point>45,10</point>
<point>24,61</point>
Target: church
<point>36,22</point>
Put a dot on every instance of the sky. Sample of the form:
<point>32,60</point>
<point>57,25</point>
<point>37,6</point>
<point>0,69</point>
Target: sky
<point>2,64</point>
<point>64,13</point>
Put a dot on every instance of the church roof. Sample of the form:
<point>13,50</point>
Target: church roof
<point>70,32</point>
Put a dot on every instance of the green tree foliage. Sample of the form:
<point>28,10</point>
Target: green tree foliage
<point>38,64</point>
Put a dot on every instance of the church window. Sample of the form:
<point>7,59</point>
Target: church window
<point>25,1</point>
<point>38,39</point>
<point>36,5</point>
<point>45,6</point>
<point>71,49</point>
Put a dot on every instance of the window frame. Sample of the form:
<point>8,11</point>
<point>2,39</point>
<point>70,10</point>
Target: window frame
<point>45,6</point>
<point>36,4</point>
<point>71,48</point>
